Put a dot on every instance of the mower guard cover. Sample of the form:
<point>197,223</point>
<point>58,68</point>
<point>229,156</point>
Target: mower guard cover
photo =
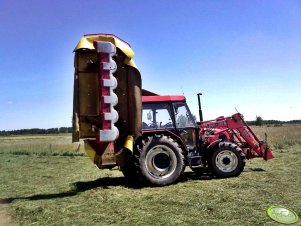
<point>86,99</point>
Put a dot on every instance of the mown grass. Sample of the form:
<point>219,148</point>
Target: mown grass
<point>47,189</point>
<point>42,145</point>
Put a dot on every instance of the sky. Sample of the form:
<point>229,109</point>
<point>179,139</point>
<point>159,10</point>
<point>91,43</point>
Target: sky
<point>239,54</point>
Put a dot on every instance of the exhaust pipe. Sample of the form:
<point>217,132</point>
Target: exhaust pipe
<point>200,107</point>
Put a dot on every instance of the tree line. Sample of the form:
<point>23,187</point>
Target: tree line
<point>36,131</point>
<point>258,122</point>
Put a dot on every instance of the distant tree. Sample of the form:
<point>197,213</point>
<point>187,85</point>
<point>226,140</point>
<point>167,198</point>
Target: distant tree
<point>194,117</point>
<point>258,121</point>
<point>63,130</point>
<point>36,131</point>
<point>182,121</point>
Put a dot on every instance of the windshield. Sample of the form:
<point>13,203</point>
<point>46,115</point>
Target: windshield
<point>183,116</point>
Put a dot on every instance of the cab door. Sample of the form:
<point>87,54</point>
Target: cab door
<point>185,124</point>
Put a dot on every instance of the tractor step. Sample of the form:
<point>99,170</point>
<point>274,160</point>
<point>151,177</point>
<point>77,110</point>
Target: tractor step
<point>195,161</point>
<point>197,167</point>
<point>193,157</point>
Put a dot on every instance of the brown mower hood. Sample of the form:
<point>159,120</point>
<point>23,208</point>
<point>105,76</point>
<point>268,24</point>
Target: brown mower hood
<point>86,89</point>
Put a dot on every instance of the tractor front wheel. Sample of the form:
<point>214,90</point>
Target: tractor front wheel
<point>227,160</point>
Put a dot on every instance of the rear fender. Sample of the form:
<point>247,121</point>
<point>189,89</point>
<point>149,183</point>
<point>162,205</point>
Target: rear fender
<point>166,133</point>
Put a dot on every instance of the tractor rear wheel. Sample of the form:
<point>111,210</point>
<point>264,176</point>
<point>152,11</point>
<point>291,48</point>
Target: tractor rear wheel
<point>227,160</point>
<point>161,160</point>
<point>131,171</point>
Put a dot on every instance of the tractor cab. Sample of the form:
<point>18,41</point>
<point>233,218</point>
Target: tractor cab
<point>170,114</point>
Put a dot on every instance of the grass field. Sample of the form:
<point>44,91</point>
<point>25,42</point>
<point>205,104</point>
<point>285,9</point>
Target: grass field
<point>47,180</point>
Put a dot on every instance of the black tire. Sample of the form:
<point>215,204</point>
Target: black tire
<point>161,160</point>
<point>200,171</point>
<point>131,171</point>
<point>227,160</point>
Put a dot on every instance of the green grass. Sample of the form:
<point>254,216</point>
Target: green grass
<point>280,137</point>
<point>43,145</point>
<point>39,187</point>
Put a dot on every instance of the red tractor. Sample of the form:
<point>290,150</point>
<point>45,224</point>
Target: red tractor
<point>150,137</point>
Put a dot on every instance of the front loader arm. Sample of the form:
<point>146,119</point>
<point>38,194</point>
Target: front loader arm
<point>257,148</point>
<point>235,129</point>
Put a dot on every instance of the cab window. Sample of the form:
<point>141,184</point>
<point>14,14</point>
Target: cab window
<point>183,116</point>
<point>156,116</point>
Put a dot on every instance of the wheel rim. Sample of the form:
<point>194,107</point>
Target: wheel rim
<point>226,161</point>
<point>160,161</point>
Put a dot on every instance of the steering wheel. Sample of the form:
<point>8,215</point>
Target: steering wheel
<point>169,124</point>
<point>152,125</point>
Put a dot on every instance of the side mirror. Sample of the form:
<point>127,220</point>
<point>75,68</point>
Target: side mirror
<point>176,110</point>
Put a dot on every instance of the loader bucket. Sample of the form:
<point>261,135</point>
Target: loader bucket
<point>268,154</point>
<point>107,104</point>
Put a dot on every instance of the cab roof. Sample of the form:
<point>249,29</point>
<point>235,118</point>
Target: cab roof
<point>151,99</point>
